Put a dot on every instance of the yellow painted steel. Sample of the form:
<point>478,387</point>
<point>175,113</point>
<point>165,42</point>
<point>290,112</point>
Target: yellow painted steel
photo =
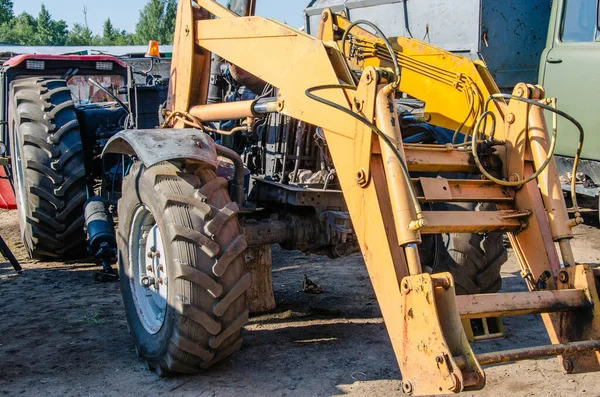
<point>279,55</point>
<point>420,310</point>
<point>446,82</point>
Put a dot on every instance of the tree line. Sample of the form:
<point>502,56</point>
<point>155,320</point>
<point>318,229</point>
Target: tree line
<point>156,21</point>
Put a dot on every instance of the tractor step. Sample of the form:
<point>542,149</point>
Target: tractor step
<point>424,159</point>
<point>461,190</point>
<point>473,221</point>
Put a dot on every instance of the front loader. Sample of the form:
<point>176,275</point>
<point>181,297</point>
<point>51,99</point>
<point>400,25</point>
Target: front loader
<point>180,241</point>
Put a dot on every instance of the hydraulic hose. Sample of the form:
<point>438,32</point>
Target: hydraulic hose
<point>388,45</point>
<point>555,111</point>
<point>498,97</point>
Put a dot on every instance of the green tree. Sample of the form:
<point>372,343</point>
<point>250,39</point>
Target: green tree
<point>6,11</point>
<point>21,30</point>
<point>108,34</point>
<point>49,31</point>
<point>156,22</point>
<point>123,38</point>
<point>167,27</point>
<point>81,35</point>
<point>112,36</point>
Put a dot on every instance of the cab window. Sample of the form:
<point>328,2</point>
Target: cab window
<point>579,21</point>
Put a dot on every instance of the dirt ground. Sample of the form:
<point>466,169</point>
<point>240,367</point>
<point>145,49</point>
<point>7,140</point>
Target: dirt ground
<point>61,333</point>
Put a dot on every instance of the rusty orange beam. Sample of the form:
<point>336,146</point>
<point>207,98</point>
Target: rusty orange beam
<point>471,221</point>
<point>520,303</point>
<point>461,190</point>
<point>529,353</point>
<point>438,160</point>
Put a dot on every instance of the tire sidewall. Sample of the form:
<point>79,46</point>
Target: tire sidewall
<point>18,166</point>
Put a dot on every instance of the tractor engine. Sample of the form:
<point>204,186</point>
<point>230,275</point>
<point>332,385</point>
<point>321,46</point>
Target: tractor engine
<point>290,178</point>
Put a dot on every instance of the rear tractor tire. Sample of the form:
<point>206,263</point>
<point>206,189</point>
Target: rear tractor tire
<point>182,266</point>
<point>474,260</point>
<point>48,169</point>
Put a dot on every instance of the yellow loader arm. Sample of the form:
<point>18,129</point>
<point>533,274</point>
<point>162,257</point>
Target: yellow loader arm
<point>317,85</point>
<point>454,88</point>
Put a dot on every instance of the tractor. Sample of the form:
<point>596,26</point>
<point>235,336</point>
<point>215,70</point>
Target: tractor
<point>271,136</point>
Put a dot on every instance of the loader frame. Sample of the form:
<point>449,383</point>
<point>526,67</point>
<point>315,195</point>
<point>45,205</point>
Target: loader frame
<point>421,311</point>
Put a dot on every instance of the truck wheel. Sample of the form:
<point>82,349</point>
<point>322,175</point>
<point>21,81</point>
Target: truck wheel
<point>474,259</point>
<point>183,272</point>
<point>47,166</point>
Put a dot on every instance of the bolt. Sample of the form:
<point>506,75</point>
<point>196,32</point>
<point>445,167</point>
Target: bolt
<point>358,105</point>
<point>406,287</point>
<point>563,277</point>
<point>324,17</point>
<point>369,78</point>
<point>418,224</point>
<point>514,178</point>
<point>520,91</point>
<point>149,268</point>
<point>161,267</point>
<point>439,359</point>
<point>407,387</point>
<point>510,118</point>
<point>153,253</point>
<point>567,365</point>
<point>362,178</point>
<point>147,282</point>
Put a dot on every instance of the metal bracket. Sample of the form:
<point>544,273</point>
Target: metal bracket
<point>364,104</point>
<point>577,325</point>
<point>432,336</point>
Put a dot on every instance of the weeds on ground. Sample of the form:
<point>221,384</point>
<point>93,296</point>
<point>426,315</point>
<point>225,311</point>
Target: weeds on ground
<point>93,318</point>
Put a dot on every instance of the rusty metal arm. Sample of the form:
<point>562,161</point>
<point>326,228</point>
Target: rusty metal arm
<point>519,303</point>
<point>530,353</point>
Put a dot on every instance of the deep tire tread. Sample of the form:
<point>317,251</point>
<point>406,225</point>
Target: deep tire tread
<point>209,309</point>
<point>43,114</point>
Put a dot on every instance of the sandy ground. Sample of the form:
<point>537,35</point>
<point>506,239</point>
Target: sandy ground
<point>64,334</point>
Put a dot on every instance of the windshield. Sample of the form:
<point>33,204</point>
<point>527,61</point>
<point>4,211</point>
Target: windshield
<point>84,92</point>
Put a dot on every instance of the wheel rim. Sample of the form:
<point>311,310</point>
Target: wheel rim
<point>20,180</point>
<point>148,280</point>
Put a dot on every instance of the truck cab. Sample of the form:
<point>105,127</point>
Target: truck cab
<point>569,70</point>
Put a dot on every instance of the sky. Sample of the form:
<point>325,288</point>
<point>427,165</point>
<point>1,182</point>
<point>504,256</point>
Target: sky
<point>124,13</point>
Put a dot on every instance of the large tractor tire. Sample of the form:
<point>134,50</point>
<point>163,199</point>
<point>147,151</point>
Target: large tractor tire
<point>48,167</point>
<point>474,260</point>
<point>182,266</point>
